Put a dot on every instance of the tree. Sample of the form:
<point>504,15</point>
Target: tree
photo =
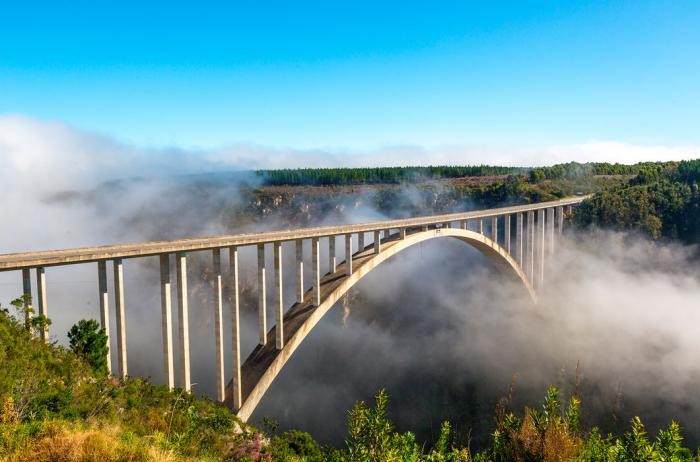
<point>89,341</point>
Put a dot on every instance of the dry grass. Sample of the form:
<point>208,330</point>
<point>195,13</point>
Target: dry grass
<point>62,443</point>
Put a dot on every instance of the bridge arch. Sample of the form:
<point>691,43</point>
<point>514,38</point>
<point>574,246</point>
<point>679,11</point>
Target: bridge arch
<point>265,362</point>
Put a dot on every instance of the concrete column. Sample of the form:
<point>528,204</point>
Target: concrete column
<point>300,270</point>
<point>377,243</point>
<point>184,318</point>
<point>463,224</point>
<point>332,257</point>
<point>316,270</point>
<point>219,324</point>
<point>27,292</point>
<point>104,307</point>
<point>41,299</point>
<point>560,219</point>
<point>235,328</point>
<point>531,246</point>
<point>550,233</point>
<point>348,254</point>
<point>167,320</point>
<point>424,228</point>
<point>466,224</point>
<point>447,225</point>
<point>540,247</point>
<point>402,233</point>
<point>361,241</point>
<point>279,298</point>
<point>494,229</point>
<point>519,238</point>
<point>262,296</point>
<point>480,226</point>
<point>506,233</point>
<point>386,233</point>
<point>120,313</point>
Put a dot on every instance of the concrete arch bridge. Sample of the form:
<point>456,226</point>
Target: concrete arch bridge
<point>518,240</point>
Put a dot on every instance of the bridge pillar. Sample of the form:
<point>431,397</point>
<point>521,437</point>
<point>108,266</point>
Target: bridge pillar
<point>121,321</point>
<point>377,243</point>
<point>494,229</point>
<point>424,228</point>
<point>361,241</point>
<point>463,224</point>
<point>348,254</point>
<point>183,313</point>
<point>316,271</point>
<point>104,307</point>
<point>262,296</point>
<point>235,328</point>
<point>279,298</point>
<point>519,238</point>
<point>530,246</point>
<point>300,269</point>
<point>219,325</point>
<point>550,234</point>
<point>167,320</point>
<point>541,246</point>
<point>480,226</point>
<point>41,299</point>
<point>560,219</point>
<point>27,292</point>
<point>402,233</point>
<point>332,258</point>
<point>385,234</point>
<point>506,232</point>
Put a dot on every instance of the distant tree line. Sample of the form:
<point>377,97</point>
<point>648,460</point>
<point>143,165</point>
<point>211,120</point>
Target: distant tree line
<point>395,175</point>
<point>377,175</point>
<point>575,170</point>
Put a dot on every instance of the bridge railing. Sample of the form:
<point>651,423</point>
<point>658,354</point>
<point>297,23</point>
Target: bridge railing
<point>528,239</point>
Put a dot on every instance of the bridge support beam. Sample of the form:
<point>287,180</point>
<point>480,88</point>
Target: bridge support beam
<point>402,233</point>
<point>480,226</point>
<point>316,271</point>
<point>377,242</point>
<point>506,232</point>
<point>519,239</point>
<point>183,314</point>
<point>219,324</point>
<point>530,264</point>
<point>27,292</point>
<point>262,297</point>
<point>348,254</point>
<point>332,257</point>
<point>560,219</point>
<point>541,246</point>
<point>235,328</point>
<point>104,307</point>
<point>550,235</point>
<point>463,224</point>
<point>279,298</point>
<point>120,312</point>
<point>385,234</point>
<point>41,300</point>
<point>300,269</point>
<point>494,229</point>
<point>361,241</point>
<point>167,320</point>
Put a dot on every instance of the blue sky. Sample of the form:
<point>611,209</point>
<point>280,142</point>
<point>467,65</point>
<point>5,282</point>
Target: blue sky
<point>357,75</point>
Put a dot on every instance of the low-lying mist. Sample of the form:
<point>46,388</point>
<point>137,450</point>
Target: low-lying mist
<point>446,335</point>
<point>437,326</point>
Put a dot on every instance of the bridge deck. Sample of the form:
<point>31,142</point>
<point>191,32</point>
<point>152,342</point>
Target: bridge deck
<point>92,254</point>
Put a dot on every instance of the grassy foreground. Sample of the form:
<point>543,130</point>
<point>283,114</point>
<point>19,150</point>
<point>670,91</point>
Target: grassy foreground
<point>55,406</point>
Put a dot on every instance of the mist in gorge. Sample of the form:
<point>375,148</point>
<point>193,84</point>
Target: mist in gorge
<point>437,326</point>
